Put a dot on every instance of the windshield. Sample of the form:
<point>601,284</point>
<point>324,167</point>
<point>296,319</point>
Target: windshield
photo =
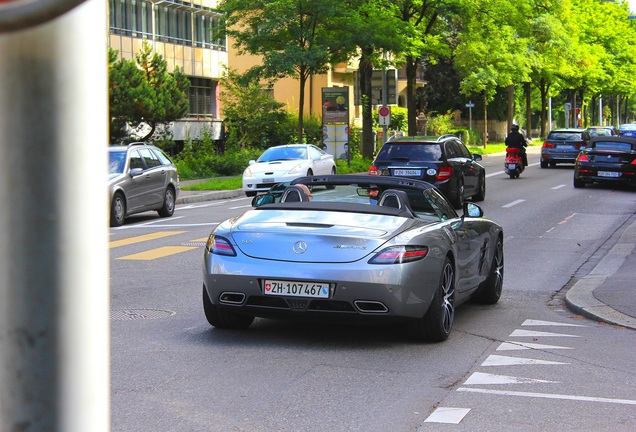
<point>117,162</point>
<point>283,153</point>
<point>612,145</point>
<point>411,152</point>
<point>567,136</point>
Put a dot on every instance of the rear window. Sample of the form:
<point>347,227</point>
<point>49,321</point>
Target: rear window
<point>612,145</point>
<point>411,152</point>
<point>566,136</point>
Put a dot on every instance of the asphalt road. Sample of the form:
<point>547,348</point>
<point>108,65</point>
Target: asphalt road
<point>525,364</point>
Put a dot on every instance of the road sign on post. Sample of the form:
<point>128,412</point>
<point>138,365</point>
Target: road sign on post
<point>384,114</point>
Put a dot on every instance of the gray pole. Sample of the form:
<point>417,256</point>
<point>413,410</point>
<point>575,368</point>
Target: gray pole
<point>54,276</point>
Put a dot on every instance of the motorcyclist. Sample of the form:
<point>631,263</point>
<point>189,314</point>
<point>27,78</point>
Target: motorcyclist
<point>516,140</point>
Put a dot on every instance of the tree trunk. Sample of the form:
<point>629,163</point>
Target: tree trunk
<point>303,75</point>
<point>485,119</point>
<point>511,105</point>
<point>543,88</point>
<point>411,80</point>
<point>528,110</point>
<point>365,73</point>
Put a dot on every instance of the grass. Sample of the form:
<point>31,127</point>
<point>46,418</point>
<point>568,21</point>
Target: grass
<point>357,166</point>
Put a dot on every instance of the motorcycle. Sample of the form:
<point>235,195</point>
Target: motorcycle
<point>514,163</point>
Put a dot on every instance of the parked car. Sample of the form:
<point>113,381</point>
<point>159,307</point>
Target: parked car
<point>602,131</point>
<point>607,160</point>
<point>141,177</point>
<point>347,255</point>
<point>563,146</point>
<point>627,129</point>
<point>284,163</point>
<point>443,161</point>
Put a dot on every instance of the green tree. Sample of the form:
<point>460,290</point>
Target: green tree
<point>252,117</point>
<point>296,38</point>
<point>142,92</point>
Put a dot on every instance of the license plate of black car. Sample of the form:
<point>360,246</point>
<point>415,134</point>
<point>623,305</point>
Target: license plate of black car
<point>296,288</point>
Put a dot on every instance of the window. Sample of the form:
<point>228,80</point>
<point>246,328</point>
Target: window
<point>150,158</point>
<point>201,95</point>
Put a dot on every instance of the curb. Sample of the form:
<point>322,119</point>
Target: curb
<point>196,197</point>
<point>580,298</point>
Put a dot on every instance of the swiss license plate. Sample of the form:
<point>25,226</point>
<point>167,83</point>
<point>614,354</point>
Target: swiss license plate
<point>296,289</point>
<point>269,180</point>
<point>565,147</point>
<point>512,166</point>
<point>407,172</point>
<point>608,174</point>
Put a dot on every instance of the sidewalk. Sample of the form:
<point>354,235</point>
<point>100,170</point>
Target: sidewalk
<point>606,294</point>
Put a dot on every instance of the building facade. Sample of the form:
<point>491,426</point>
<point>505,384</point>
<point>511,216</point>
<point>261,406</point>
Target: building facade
<point>182,32</point>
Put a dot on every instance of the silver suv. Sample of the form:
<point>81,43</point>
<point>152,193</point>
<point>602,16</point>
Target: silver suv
<point>140,178</point>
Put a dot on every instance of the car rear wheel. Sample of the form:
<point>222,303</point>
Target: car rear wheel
<point>117,210</point>
<point>544,164</point>
<point>437,323</point>
<point>490,291</point>
<point>578,183</point>
<point>481,195</point>
<point>168,203</point>
<point>458,199</point>
<point>222,318</point>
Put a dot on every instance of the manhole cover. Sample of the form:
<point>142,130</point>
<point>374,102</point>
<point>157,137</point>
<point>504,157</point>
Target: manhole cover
<point>139,314</point>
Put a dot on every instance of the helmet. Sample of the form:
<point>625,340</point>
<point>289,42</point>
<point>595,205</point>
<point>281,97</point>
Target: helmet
<point>515,128</point>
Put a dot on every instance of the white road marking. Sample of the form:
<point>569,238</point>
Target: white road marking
<point>479,378</point>
<point>530,322</point>
<point>530,333</point>
<point>447,415</point>
<point>549,396</point>
<point>558,187</point>
<point>238,207</point>
<point>497,360</point>
<point>511,346</point>
<point>514,203</point>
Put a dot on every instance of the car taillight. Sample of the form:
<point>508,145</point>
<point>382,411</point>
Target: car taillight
<point>219,246</point>
<point>582,158</point>
<point>548,145</point>
<point>373,170</point>
<point>399,255</point>
<point>633,162</point>
<point>444,173</point>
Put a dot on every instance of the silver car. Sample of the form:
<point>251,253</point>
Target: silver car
<point>355,248</point>
<point>140,178</point>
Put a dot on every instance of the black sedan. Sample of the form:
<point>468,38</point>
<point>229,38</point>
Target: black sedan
<point>607,160</point>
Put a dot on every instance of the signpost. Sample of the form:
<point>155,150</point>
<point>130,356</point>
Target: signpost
<point>384,119</point>
<point>470,107</point>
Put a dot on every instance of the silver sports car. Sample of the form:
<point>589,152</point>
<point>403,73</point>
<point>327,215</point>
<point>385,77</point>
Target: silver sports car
<point>353,248</point>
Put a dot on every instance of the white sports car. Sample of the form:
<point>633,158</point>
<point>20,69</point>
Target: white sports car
<point>285,163</point>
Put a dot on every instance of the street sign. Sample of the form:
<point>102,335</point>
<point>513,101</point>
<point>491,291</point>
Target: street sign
<point>470,105</point>
<point>384,114</point>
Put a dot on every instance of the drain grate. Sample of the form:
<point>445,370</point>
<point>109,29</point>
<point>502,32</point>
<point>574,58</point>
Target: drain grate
<point>139,314</point>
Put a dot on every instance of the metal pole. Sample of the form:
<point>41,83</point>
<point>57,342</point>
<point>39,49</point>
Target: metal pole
<point>600,110</point>
<point>54,283</point>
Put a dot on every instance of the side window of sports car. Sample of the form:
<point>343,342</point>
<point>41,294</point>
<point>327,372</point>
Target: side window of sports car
<point>443,209</point>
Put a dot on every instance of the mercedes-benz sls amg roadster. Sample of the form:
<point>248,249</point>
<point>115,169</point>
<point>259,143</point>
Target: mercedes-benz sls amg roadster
<point>352,248</point>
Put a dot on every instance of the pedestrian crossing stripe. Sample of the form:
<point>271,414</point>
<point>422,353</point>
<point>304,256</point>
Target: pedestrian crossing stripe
<point>479,378</point>
<point>157,253</point>
<point>530,322</point>
<point>529,333</point>
<point>511,346</point>
<point>497,360</point>
<point>143,238</point>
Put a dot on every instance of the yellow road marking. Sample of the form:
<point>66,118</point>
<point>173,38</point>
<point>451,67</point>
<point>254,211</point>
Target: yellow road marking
<point>143,238</point>
<point>202,239</point>
<point>157,253</point>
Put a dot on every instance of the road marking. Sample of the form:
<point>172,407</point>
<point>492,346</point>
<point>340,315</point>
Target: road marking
<point>549,396</point>
<point>567,219</point>
<point>558,187</point>
<point>530,322</point>
<point>142,238</point>
<point>479,378</point>
<point>239,207</point>
<point>514,203</point>
<point>447,415</point>
<point>511,346</point>
<point>497,360</point>
<point>503,172</point>
<point>157,253</point>
<point>530,333</point>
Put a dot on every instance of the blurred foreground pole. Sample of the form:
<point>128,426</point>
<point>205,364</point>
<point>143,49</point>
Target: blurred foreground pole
<point>54,275</point>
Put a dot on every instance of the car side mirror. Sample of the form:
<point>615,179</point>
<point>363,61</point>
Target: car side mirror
<point>260,200</point>
<point>135,172</point>
<point>476,157</point>
<point>472,210</point>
